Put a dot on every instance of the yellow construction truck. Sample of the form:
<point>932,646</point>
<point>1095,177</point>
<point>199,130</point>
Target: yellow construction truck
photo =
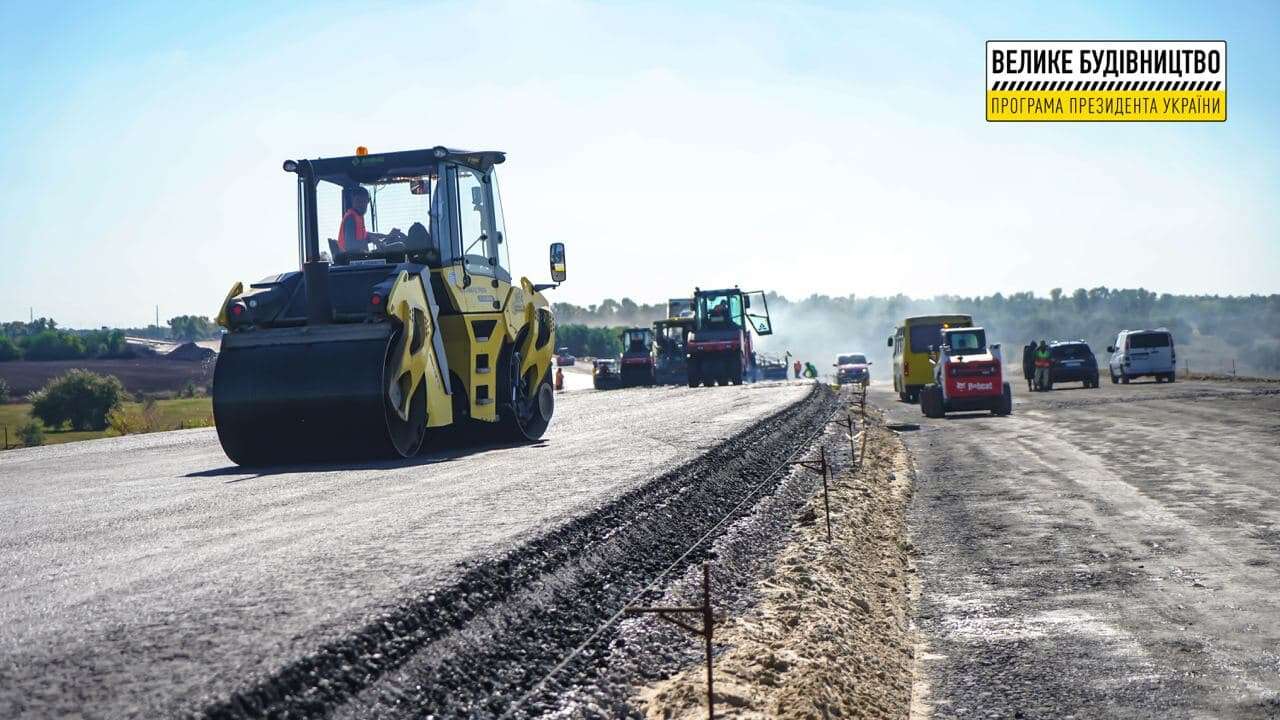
<point>406,319</point>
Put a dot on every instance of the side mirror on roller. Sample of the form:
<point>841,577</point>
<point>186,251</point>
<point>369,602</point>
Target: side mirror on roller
<point>557,262</point>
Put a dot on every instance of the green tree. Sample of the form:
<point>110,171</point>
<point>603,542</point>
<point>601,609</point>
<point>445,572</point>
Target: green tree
<point>9,349</point>
<point>81,398</point>
<point>589,341</point>
<point>53,345</point>
<point>190,328</point>
<point>4,390</point>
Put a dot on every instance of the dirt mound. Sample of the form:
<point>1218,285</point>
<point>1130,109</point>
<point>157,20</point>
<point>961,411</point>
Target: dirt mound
<point>190,352</point>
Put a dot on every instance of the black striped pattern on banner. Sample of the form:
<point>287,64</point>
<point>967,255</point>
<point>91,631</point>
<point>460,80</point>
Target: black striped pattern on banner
<point>1116,85</point>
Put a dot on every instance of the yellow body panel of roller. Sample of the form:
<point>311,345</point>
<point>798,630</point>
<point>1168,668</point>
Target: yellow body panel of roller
<point>414,361</point>
<point>474,356</point>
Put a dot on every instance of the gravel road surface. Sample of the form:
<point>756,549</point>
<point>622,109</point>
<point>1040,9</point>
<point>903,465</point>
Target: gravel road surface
<point>1110,553</point>
<point>146,576</point>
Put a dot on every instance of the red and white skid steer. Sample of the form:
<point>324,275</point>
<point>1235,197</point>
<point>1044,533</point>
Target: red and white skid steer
<point>967,375</point>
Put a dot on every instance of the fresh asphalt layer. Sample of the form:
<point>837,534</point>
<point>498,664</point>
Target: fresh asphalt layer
<point>1101,553</point>
<point>148,576</point>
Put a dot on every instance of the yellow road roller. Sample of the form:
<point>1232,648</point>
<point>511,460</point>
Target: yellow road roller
<point>403,320</point>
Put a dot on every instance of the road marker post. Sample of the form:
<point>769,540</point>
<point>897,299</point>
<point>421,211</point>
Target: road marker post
<point>670,614</point>
<point>863,455</point>
<point>853,457</point>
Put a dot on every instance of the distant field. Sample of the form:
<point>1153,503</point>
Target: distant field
<point>150,375</point>
<point>173,414</point>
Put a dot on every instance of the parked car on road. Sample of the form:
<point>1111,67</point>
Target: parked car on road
<point>852,368</point>
<point>563,358</point>
<point>1143,353</point>
<point>1072,361</point>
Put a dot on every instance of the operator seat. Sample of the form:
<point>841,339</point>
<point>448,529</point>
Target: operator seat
<point>419,243</point>
<point>335,254</point>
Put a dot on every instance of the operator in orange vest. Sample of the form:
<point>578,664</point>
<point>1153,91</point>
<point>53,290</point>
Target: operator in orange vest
<point>352,237</point>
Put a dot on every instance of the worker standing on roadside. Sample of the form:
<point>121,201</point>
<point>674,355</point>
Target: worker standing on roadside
<point>1029,363</point>
<point>796,366</point>
<point>559,378</point>
<point>1042,366</point>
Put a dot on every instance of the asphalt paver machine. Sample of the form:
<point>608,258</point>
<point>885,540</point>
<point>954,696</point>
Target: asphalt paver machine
<point>412,320</point>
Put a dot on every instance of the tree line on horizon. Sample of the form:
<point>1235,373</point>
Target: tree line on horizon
<point>819,325</point>
<point>42,339</point>
<point>1249,325</point>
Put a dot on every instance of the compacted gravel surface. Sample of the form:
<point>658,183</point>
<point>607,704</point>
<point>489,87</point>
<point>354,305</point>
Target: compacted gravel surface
<point>146,576</point>
<point>1105,553</point>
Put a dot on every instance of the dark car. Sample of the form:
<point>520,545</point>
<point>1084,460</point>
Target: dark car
<point>1072,361</point>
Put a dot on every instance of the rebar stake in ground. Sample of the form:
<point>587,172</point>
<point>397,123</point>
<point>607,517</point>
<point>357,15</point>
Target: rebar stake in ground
<point>820,466</point>
<point>670,615</point>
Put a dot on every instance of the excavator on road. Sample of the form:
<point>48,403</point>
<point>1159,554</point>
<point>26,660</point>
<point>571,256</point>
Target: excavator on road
<point>411,322</point>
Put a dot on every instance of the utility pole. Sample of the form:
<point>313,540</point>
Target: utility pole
<point>157,316</point>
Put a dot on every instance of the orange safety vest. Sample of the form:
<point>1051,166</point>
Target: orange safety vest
<point>361,235</point>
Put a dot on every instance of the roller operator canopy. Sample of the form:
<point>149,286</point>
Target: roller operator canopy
<point>379,167</point>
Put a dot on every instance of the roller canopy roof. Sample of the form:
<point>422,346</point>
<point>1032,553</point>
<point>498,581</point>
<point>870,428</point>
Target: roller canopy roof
<point>408,163</point>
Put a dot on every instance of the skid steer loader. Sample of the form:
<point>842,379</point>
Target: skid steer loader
<point>411,322</point>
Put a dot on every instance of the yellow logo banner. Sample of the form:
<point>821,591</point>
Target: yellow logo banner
<point>1106,81</point>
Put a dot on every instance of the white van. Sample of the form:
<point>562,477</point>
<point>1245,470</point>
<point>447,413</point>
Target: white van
<point>1139,353</point>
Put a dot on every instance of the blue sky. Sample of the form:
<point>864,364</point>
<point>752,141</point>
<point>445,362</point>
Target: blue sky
<point>801,147</point>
